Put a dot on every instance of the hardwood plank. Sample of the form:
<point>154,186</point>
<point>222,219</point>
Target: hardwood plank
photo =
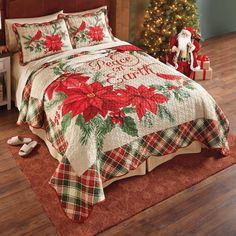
<point>28,214</point>
<point>20,211</point>
<point>6,163</point>
<point>12,181</point>
<point>44,231</point>
<point>175,216</point>
<point>26,222</point>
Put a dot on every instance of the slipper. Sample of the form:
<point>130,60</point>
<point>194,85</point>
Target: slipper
<point>26,149</point>
<point>18,140</point>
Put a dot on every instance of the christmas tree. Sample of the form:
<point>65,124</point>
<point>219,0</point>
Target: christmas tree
<point>163,19</point>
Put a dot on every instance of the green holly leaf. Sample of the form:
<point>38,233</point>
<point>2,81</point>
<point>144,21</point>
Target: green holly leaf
<point>129,110</point>
<point>167,93</point>
<point>61,68</point>
<point>129,126</point>
<point>179,82</point>
<point>79,120</point>
<point>169,84</point>
<point>163,112</point>
<point>158,87</point>
<point>65,123</point>
<point>189,86</point>
<point>142,53</point>
<point>58,97</point>
<point>57,71</point>
<point>184,93</point>
<point>180,94</point>
<point>97,76</point>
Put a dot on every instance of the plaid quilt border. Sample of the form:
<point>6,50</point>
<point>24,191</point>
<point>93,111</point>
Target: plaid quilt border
<point>78,195</point>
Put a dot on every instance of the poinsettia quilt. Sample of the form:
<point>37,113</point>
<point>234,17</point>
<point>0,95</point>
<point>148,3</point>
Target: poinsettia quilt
<point>106,111</point>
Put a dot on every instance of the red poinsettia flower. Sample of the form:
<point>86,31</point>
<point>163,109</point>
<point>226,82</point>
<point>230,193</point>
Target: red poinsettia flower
<point>96,33</point>
<point>36,37</point>
<point>53,43</point>
<point>169,77</point>
<point>117,117</point>
<point>143,99</point>
<point>90,99</point>
<point>66,82</point>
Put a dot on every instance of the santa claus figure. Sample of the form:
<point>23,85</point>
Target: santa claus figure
<point>184,48</point>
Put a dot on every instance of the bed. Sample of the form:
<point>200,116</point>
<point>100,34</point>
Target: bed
<point>134,112</point>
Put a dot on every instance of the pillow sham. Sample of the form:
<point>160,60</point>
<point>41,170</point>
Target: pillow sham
<point>88,28</point>
<point>91,11</point>
<point>41,40</point>
<point>11,41</point>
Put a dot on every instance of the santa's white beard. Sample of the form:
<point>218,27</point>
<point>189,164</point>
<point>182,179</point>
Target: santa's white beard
<point>183,42</point>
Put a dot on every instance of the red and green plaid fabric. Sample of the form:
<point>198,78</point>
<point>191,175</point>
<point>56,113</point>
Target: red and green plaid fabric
<point>78,195</point>
<point>55,137</point>
<point>36,118</point>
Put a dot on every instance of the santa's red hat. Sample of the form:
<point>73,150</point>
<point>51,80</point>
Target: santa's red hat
<point>193,32</point>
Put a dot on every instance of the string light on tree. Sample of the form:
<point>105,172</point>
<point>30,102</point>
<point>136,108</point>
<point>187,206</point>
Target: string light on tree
<point>165,18</point>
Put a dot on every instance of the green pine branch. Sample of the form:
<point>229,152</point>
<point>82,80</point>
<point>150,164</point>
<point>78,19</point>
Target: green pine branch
<point>86,129</point>
<point>65,123</point>
<point>102,129</point>
<point>163,113</point>
<point>129,126</point>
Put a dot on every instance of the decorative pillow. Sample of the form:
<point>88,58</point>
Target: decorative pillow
<point>91,12</point>
<point>41,40</point>
<point>10,35</point>
<point>88,28</point>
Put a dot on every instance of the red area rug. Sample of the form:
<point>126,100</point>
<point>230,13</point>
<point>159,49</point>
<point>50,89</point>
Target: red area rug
<point>123,198</point>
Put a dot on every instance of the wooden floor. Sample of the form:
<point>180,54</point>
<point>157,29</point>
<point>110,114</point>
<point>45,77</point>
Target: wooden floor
<point>208,208</point>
